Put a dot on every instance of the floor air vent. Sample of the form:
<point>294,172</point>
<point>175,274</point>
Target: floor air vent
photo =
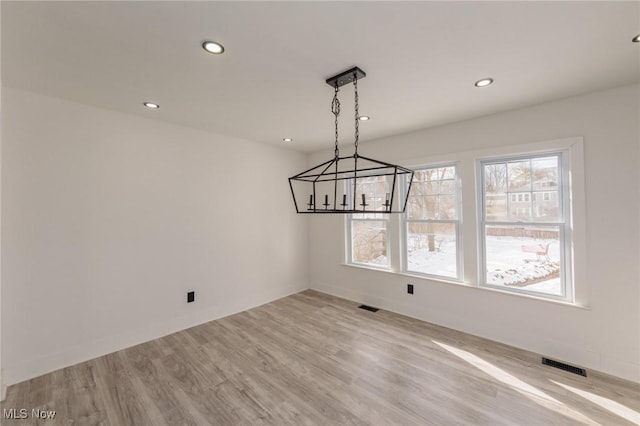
<point>368,308</point>
<point>565,367</point>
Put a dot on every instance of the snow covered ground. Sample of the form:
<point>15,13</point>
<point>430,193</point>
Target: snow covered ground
<point>442,263</point>
<point>507,264</point>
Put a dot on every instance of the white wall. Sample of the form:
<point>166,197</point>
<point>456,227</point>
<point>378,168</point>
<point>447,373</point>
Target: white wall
<point>110,219</point>
<point>606,336</point>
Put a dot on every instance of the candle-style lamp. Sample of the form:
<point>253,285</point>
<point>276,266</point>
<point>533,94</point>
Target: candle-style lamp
<point>310,202</point>
<point>387,203</point>
<point>364,203</point>
<point>344,202</point>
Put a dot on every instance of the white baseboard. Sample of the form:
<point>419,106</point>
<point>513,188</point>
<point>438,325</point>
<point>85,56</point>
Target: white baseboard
<point>581,356</point>
<point>35,367</point>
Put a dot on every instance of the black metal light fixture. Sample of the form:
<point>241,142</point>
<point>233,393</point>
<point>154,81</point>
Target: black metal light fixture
<point>354,183</point>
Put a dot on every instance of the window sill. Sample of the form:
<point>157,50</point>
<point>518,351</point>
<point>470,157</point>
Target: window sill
<point>471,286</point>
<point>369,267</point>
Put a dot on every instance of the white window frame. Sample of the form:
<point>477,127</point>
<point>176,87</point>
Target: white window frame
<point>577,291</point>
<point>405,223</point>
<point>564,224</point>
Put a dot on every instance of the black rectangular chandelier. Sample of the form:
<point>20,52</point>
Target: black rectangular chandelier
<point>354,183</point>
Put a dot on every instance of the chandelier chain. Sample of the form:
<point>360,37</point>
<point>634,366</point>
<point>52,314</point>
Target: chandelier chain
<point>355,89</point>
<point>335,109</point>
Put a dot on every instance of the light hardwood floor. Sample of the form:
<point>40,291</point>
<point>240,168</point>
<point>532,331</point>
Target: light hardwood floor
<point>314,359</point>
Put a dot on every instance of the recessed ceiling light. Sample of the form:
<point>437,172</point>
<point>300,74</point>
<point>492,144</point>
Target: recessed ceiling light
<point>636,39</point>
<point>151,105</point>
<point>484,82</point>
<point>287,140</point>
<point>363,118</point>
<point>213,47</point>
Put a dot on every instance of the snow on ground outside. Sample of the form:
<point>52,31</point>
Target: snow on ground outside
<point>441,262</point>
<point>507,264</point>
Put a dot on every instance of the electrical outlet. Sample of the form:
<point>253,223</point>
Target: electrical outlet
<point>410,288</point>
<point>191,296</point>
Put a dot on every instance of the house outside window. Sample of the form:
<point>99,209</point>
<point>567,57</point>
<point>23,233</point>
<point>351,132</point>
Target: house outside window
<point>524,230</point>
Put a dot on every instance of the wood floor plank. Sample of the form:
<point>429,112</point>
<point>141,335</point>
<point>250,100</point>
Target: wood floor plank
<point>290,375</point>
<point>314,359</point>
<point>336,380</point>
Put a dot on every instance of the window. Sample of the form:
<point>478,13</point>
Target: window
<point>518,226</point>
<point>368,232</point>
<point>431,223</point>
<point>520,197</point>
<point>524,227</point>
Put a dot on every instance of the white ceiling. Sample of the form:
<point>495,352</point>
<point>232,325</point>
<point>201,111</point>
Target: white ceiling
<point>421,59</point>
